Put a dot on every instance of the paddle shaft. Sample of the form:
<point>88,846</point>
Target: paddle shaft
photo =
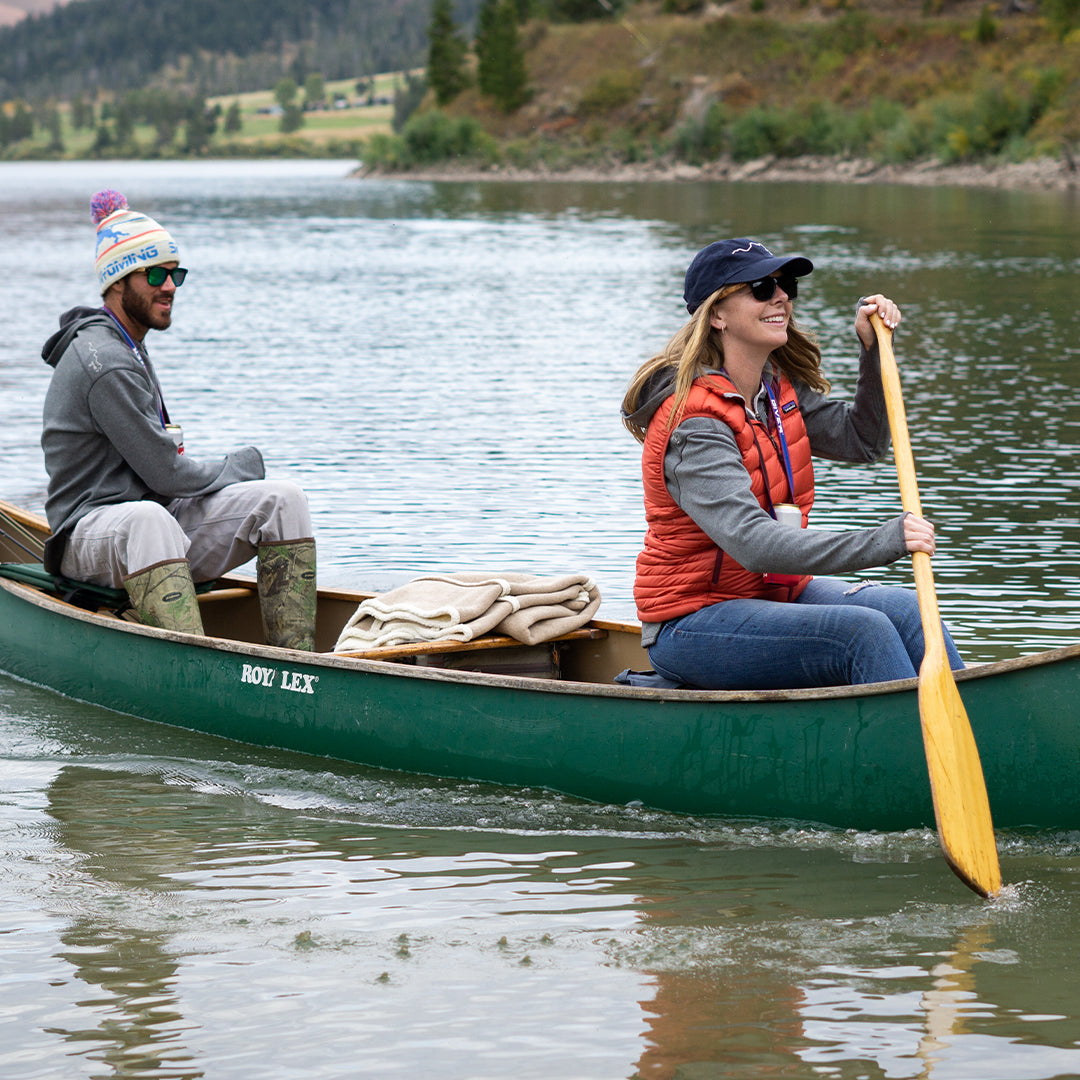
<point>961,805</point>
<point>909,488</point>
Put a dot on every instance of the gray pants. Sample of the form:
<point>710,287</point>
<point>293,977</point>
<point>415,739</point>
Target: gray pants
<point>215,533</point>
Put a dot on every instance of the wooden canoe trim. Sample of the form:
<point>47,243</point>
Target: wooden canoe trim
<point>224,594</point>
<point>25,518</point>
<point>422,648</point>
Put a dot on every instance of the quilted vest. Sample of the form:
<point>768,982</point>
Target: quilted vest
<point>680,569</point>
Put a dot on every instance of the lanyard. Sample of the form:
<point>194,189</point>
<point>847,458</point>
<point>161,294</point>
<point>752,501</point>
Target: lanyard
<point>783,442</point>
<point>163,414</point>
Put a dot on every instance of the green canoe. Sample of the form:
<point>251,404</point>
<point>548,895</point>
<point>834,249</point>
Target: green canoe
<point>550,716</point>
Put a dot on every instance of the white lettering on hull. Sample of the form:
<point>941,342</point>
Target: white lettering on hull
<point>297,682</point>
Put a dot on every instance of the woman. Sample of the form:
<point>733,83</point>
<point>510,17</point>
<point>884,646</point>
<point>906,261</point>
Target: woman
<point>729,415</point>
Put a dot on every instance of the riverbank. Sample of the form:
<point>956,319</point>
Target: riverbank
<point>1043,174</point>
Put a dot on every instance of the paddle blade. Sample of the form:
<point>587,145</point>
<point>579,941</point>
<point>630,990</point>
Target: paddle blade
<point>961,807</point>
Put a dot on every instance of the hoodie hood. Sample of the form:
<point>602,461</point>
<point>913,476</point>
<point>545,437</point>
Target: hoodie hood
<point>661,385</point>
<point>71,322</point>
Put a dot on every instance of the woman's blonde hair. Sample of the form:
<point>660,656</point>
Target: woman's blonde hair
<point>699,347</point>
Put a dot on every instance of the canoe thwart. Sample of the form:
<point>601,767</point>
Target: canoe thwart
<point>233,593</point>
<point>492,641</point>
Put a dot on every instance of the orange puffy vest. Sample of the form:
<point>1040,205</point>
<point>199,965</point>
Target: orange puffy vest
<point>680,569</point>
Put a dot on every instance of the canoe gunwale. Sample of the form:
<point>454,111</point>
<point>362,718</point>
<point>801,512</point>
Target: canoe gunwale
<point>397,670</point>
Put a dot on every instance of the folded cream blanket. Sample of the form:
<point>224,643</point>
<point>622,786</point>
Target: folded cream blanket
<point>460,607</point>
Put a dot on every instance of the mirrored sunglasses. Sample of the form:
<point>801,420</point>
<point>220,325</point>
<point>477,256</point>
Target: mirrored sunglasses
<point>156,275</point>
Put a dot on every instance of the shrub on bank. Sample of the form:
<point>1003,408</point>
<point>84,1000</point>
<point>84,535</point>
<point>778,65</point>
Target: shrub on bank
<point>431,138</point>
<point>816,127</point>
<point>993,120</point>
<point>703,139</point>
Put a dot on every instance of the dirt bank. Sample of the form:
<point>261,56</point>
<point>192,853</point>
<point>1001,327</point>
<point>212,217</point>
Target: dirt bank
<point>1046,174</point>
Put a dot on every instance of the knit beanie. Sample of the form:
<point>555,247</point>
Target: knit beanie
<point>126,240</point>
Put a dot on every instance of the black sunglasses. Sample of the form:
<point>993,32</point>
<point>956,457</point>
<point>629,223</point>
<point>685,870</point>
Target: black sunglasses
<point>156,275</point>
<point>763,290</point>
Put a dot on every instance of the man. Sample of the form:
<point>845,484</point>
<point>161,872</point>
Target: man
<point>126,505</point>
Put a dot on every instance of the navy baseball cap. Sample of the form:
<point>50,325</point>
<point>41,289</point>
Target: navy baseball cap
<point>731,262</point>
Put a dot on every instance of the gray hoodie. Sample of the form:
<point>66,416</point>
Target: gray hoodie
<point>104,431</point>
<point>705,474</point>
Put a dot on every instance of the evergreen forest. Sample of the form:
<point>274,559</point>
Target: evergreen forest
<point>214,46</point>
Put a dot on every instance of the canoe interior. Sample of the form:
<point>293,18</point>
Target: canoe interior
<point>231,611</point>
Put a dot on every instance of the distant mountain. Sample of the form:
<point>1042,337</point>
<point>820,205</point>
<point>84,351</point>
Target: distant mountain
<point>213,46</point>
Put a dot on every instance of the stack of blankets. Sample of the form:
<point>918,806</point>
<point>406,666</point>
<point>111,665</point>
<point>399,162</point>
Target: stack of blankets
<point>462,606</point>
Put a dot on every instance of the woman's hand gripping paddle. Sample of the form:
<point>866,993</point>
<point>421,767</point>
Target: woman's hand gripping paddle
<point>961,806</point>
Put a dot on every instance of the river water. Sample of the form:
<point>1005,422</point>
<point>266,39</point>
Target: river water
<point>440,365</point>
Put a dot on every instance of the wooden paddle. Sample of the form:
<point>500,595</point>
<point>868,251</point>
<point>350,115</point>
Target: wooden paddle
<point>961,806</point>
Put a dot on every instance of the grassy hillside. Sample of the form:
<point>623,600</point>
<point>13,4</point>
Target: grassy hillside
<point>754,78</point>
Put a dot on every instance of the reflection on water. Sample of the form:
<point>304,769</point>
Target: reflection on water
<point>441,366</point>
<point>201,906</point>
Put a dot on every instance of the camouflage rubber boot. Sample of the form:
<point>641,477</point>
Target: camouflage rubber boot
<point>286,574</point>
<point>164,596</point>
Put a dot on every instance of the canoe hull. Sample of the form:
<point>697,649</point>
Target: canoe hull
<point>837,757</point>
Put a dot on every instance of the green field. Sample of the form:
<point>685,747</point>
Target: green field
<point>333,131</point>
<point>357,122</point>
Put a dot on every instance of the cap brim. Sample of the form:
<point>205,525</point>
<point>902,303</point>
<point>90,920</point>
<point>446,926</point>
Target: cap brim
<point>797,264</point>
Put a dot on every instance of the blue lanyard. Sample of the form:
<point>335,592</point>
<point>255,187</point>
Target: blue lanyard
<point>783,441</point>
<point>163,415</point>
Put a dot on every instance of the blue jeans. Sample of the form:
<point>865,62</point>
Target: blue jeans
<point>837,633</point>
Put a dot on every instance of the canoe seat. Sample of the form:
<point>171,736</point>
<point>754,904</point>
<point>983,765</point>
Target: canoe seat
<point>417,649</point>
<point>82,594</point>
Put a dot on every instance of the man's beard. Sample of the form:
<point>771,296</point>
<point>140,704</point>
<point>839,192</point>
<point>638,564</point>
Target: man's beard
<point>139,309</point>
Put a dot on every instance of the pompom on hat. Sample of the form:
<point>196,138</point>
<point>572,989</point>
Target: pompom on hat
<point>126,240</point>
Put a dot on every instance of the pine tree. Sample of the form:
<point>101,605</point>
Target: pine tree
<point>82,113</point>
<point>125,125</point>
<point>501,70</point>
<point>199,127</point>
<point>484,47</point>
<point>314,90</point>
<point>292,115</point>
<point>292,119</point>
<point>103,140</point>
<point>407,99</point>
<point>22,123</point>
<point>55,128</point>
<point>446,54</point>
<point>285,92</point>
